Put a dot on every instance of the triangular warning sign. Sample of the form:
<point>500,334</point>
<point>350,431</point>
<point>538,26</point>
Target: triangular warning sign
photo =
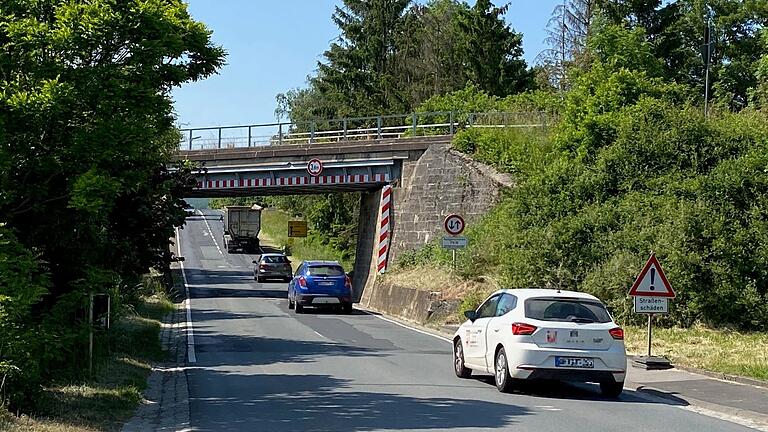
<point>652,282</point>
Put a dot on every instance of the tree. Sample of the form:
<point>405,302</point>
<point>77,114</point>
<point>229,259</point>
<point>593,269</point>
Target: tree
<point>357,74</point>
<point>86,138</point>
<point>567,34</point>
<point>677,29</point>
<point>493,51</point>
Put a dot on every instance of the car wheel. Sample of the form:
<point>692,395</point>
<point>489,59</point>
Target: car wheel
<point>299,308</point>
<point>501,372</point>
<point>458,361</point>
<point>346,308</point>
<point>611,389</point>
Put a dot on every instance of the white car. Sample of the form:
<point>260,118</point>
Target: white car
<point>521,334</point>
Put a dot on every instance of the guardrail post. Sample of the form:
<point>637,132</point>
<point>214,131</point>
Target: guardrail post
<point>378,127</point>
<point>312,133</point>
<point>280,133</point>
<point>249,136</point>
<point>471,119</point>
<point>219,137</point>
<point>190,139</point>
<point>413,123</point>
<point>450,120</point>
<point>345,128</point>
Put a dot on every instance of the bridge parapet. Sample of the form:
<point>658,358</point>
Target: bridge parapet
<point>356,129</point>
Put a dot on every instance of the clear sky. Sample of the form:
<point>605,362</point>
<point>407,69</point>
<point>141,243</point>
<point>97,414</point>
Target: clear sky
<point>274,45</point>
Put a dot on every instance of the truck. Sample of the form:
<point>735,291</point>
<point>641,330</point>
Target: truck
<point>241,228</point>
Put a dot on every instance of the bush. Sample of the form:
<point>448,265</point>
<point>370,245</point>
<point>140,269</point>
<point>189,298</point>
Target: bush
<point>22,284</point>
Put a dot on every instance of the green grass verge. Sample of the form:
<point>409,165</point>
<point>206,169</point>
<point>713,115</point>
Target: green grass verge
<point>274,232</point>
<point>721,350</point>
<point>109,398</point>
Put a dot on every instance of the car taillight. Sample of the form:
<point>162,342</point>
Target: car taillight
<point>348,282</point>
<point>302,282</point>
<point>617,333</point>
<point>522,329</point>
<point>263,266</point>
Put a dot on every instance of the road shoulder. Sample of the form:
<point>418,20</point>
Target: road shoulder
<point>166,400</point>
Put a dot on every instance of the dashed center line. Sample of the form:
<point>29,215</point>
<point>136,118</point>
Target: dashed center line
<point>211,233</point>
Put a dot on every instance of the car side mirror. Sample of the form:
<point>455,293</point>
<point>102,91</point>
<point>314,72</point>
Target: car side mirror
<point>255,262</point>
<point>471,315</point>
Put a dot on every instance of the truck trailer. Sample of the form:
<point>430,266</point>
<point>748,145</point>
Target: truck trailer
<point>241,228</point>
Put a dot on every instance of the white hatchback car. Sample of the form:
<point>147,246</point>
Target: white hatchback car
<point>542,334</point>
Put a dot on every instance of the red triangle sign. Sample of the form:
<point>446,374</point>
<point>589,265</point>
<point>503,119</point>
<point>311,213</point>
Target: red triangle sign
<point>652,282</point>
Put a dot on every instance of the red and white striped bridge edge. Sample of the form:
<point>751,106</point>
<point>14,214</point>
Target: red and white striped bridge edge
<point>386,206</point>
<point>292,181</point>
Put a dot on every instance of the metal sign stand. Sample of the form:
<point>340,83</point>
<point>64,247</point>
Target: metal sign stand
<point>651,292</point>
<point>650,332</point>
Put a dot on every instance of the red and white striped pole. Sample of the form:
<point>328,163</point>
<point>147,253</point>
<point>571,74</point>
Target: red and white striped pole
<point>386,206</point>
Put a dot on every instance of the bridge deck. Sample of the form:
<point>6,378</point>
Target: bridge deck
<point>314,150</point>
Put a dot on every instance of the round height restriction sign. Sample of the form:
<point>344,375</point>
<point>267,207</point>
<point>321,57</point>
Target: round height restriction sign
<point>314,167</point>
<point>454,224</point>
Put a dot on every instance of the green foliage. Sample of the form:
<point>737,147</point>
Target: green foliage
<point>676,31</point>
<point>22,285</point>
<point>332,217</point>
<point>86,136</point>
<point>632,168</point>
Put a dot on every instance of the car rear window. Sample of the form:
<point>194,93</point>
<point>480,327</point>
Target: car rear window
<point>325,270</point>
<point>275,259</point>
<point>568,310</point>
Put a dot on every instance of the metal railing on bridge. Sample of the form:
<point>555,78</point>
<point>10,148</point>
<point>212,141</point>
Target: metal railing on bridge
<point>354,129</point>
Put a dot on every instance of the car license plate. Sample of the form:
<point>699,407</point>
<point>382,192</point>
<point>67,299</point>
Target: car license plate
<point>575,362</point>
<point>325,300</point>
<point>326,283</point>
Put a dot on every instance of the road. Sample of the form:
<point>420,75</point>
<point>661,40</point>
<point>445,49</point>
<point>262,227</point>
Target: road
<point>261,367</point>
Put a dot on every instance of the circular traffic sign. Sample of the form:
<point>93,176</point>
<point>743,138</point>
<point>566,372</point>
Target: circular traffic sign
<point>454,224</point>
<point>314,167</point>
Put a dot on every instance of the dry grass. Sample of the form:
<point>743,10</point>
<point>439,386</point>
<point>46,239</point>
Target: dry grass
<point>723,351</point>
<point>106,401</point>
<point>425,278</point>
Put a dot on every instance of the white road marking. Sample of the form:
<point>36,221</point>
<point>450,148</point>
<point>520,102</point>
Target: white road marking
<point>187,304</point>
<point>211,233</point>
<point>320,335</point>
<point>737,419</point>
<point>548,408</point>
<point>409,327</point>
<point>727,417</point>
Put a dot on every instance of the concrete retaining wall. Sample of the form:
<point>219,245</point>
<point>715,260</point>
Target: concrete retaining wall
<point>406,303</point>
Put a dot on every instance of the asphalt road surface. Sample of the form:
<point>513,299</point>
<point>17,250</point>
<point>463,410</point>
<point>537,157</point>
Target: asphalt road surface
<point>262,367</point>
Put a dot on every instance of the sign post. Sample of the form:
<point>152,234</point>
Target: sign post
<point>651,292</point>
<point>454,225</point>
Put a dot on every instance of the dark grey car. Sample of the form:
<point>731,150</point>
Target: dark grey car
<point>272,266</point>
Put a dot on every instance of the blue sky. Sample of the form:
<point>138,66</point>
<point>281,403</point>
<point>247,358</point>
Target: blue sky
<point>274,45</point>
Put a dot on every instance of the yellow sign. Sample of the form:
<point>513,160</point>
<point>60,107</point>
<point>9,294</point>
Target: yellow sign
<point>297,228</point>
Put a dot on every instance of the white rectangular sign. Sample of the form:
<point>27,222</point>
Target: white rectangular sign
<point>652,305</point>
<point>455,242</point>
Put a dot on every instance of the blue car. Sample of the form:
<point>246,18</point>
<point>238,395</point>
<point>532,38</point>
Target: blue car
<point>320,284</point>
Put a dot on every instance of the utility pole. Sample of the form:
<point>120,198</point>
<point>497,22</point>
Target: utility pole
<point>707,58</point>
